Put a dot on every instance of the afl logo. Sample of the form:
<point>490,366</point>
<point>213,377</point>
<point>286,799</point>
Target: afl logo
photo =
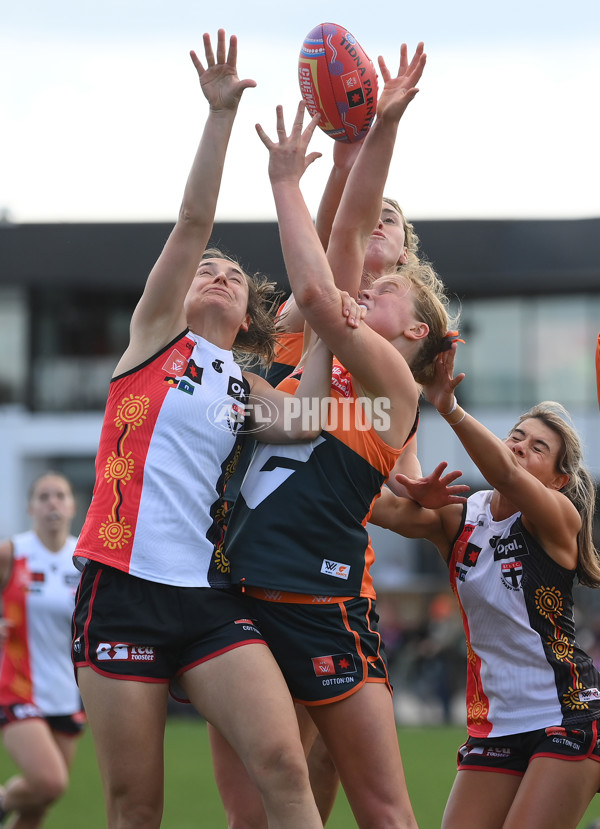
<point>230,416</point>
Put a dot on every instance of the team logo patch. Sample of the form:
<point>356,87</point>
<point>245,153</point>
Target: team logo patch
<point>124,652</point>
<point>336,664</point>
<point>175,363</point>
<point>335,568</point>
<point>512,573</point>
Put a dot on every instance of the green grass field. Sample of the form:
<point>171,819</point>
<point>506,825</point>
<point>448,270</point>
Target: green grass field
<point>191,799</point>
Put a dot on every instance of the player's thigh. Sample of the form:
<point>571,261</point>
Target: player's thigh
<point>481,799</point>
<point>308,729</point>
<point>554,794</point>
<point>360,733</point>
<point>31,745</point>
<point>67,745</point>
<point>127,721</point>
<point>240,797</point>
<point>244,695</point>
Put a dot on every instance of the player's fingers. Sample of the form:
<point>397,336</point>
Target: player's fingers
<point>232,53</point>
<point>417,57</point>
<point>437,472</point>
<point>385,72</point>
<point>280,121</point>
<point>208,50</point>
<point>247,83</point>
<point>403,59</point>
<point>312,157</point>
<point>197,63</point>
<point>221,47</point>
<point>451,477</point>
<point>310,128</point>
<point>263,136</point>
<point>299,119</point>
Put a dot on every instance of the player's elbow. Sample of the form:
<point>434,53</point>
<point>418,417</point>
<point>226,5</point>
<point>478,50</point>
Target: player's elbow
<point>312,296</point>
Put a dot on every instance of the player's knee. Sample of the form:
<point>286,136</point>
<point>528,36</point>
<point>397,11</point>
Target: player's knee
<point>283,768</point>
<point>134,815</point>
<point>320,760</point>
<point>49,786</point>
<point>132,808</point>
<point>245,817</point>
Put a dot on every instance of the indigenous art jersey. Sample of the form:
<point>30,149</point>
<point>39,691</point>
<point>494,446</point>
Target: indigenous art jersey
<point>169,443</point>
<point>38,599</point>
<point>298,524</point>
<point>525,670</point>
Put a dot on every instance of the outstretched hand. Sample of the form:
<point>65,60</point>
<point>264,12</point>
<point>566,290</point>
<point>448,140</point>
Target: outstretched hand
<point>433,491</point>
<point>219,81</point>
<point>288,157</point>
<point>440,390</point>
<point>398,92</point>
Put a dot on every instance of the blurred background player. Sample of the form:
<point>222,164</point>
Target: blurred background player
<point>40,708</point>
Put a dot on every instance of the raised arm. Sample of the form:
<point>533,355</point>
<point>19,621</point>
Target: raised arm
<point>344,156</point>
<point>360,205</point>
<point>548,513</point>
<point>159,315</point>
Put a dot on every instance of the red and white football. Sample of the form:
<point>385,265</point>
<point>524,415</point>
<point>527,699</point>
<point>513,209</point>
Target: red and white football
<point>339,81</point>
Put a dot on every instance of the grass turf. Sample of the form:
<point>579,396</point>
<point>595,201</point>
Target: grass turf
<point>191,799</point>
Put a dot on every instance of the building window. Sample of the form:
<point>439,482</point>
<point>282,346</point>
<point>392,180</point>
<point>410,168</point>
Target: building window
<point>80,336</point>
<point>520,351</point>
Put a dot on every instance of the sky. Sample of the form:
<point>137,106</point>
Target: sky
<point>101,111</point>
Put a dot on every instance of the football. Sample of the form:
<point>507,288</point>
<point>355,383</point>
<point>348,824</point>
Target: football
<point>338,81</point>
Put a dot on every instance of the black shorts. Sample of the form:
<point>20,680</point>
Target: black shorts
<point>513,753</point>
<point>325,651</point>
<point>64,723</point>
<point>130,628</point>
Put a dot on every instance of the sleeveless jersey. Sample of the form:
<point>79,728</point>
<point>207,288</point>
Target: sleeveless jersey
<point>525,670</point>
<point>38,599</point>
<point>298,524</point>
<point>169,443</point>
